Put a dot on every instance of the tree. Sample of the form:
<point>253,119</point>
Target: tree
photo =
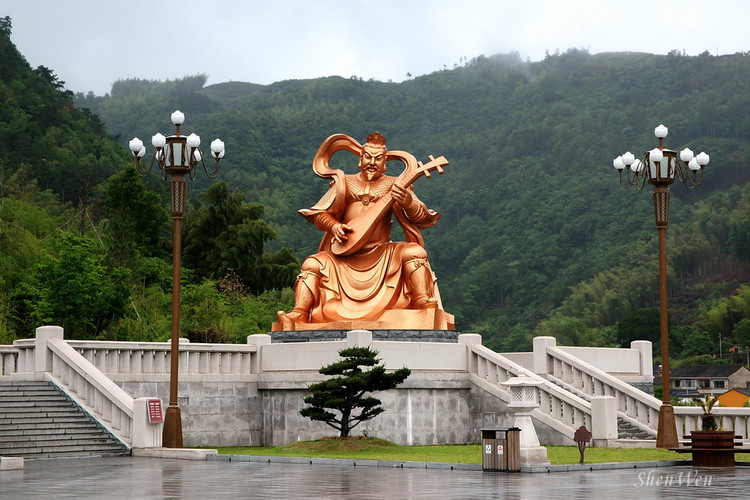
<point>346,393</point>
<point>698,343</point>
<point>228,233</point>
<point>136,221</point>
<point>75,289</point>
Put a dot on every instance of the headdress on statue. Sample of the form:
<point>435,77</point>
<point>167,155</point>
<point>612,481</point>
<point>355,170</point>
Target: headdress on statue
<point>376,139</point>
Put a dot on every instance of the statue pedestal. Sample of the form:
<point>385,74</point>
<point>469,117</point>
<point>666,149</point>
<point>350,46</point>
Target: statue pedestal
<point>397,319</point>
<point>391,335</point>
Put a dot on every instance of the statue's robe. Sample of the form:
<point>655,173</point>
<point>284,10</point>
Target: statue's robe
<point>363,285</point>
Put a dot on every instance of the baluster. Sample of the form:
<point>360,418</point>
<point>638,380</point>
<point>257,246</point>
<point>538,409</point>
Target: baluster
<point>568,413</point>
<point>125,360</point>
<point>577,378</point>
<point>237,362</point>
<point>183,360</point>
<point>194,365</point>
<point>203,362</point>
<point>136,363</point>
<point>147,361</point>
<point>215,362</point>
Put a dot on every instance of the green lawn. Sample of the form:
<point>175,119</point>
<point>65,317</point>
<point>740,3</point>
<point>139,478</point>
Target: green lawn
<point>376,449</point>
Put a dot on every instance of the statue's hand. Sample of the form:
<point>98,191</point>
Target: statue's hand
<point>339,232</point>
<point>402,196</point>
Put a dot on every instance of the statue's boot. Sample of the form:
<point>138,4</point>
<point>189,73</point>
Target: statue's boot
<point>419,280</point>
<point>305,295</point>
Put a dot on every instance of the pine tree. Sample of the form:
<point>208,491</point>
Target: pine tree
<point>346,392</point>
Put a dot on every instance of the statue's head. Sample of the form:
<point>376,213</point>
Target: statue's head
<point>372,159</point>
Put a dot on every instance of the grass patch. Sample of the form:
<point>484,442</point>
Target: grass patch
<point>359,447</point>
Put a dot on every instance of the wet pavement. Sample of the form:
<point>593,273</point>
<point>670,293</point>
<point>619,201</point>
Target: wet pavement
<point>153,478</point>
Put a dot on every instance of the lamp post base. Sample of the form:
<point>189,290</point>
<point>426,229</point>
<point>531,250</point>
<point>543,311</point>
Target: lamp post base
<point>666,434</point>
<point>172,434</point>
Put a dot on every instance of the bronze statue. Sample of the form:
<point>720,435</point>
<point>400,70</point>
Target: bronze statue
<point>360,278</point>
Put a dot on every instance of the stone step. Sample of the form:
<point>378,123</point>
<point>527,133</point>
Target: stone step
<point>28,391</point>
<point>43,455</point>
<point>37,420</point>
<point>15,411</point>
<point>38,436</point>
<point>63,450</point>
<point>20,384</point>
<point>37,388</point>
<point>21,400</point>
<point>56,441</point>
<point>50,426</point>
<point>626,430</point>
<point>41,417</point>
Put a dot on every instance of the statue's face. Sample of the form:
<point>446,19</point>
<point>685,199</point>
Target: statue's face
<point>372,161</point>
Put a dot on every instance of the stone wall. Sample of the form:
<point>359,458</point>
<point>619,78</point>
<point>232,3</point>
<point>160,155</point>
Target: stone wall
<point>214,413</point>
<point>420,411</point>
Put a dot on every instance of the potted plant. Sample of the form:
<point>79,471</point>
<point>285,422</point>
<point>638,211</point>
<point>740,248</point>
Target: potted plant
<point>708,422</point>
<point>710,446</point>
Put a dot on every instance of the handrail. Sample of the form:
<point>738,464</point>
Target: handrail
<point>153,357</point>
<point>558,408</point>
<point>8,359</point>
<point>92,389</point>
<point>735,419</point>
<point>633,405</point>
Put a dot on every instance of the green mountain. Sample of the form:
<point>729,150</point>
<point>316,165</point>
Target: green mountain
<point>531,206</point>
<point>536,236</point>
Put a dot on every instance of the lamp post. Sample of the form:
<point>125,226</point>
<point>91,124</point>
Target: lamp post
<point>176,156</point>
<point>661,167</point>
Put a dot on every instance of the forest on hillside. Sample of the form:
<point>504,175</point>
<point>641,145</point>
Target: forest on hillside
<point>535,237</point>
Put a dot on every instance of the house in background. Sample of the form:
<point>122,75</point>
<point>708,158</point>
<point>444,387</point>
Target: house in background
<point>734,398</point>
<point>698,380</point>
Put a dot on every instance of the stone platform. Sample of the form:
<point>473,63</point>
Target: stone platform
<point>392,335</point>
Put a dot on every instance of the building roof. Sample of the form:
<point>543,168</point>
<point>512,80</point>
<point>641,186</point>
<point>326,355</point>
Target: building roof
<point>746,392</point>
<point>702,371</point>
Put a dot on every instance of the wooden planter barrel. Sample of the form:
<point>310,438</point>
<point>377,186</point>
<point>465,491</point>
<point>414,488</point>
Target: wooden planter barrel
<point>712,448</point>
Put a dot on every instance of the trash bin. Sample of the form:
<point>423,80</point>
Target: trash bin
<point>513,449</point>
<point>501,449</point>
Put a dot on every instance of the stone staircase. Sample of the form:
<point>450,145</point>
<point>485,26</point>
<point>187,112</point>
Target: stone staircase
<point>37,420</point>
<point>626,430</point>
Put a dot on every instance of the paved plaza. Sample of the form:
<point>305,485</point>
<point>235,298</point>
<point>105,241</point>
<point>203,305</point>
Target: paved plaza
<point>152,478</point>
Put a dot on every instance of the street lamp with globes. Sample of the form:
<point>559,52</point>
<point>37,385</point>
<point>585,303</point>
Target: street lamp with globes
<point>661,168</point>
<point>176,156</point>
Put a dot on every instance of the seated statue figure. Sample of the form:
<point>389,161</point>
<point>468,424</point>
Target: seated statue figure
<point>360,278</point>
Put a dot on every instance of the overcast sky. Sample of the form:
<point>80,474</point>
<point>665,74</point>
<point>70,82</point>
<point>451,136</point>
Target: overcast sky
<point>90,44</point>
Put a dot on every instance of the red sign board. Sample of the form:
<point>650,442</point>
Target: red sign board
<point>155,414</point>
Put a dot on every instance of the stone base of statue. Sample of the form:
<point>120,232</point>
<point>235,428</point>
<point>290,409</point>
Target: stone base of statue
<point>392,335</point>
<point>402,319</point>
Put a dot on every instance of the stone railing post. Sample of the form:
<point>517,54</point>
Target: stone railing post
<point>145,434</point>
<point>469,338</point>
<point>603,419</point>
<point>644,347</point>
<point>42,355</point>
<point>540,353</point>
<point>358,338</point>
<point>258,340</point>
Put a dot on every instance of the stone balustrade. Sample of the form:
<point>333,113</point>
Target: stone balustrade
<point>587,381</point>
<point>8,359</point>
<point>153,358</point>
<point>226,387</point>
<point>737,420</point>
<point>633,405</point>
<point>558,409</point>
<point>91,388</point>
